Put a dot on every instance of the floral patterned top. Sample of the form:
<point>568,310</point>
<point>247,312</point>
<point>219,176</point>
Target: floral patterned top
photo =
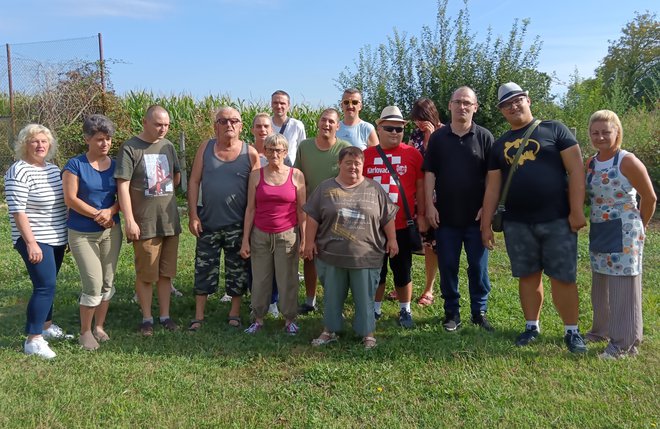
<point>613,201</point>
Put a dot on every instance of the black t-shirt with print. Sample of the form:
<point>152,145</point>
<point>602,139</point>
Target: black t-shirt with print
<point>539,188</point>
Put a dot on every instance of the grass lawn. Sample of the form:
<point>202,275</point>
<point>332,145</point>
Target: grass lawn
<point>221,377</point>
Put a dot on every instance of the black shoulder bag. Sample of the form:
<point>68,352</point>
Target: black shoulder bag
<point>415,238</point>
<point>498,217</point>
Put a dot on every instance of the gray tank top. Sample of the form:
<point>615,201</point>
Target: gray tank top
<point>224,189</point>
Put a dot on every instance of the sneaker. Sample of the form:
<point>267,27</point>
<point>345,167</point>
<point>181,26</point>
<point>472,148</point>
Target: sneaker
<point>452,322</point>
<point>54,332</point>
<point>169,324</point>
<point>405,319</point>
<point>273,310</point>
<point>146,329</point>
<point>175,292</point>
<point>575,342</point>
<point>254,328</point>
<point>481,320</point>
<point>306,308</point>
<point>608,356</point>
<point>38,347</point>
<point>225,298</point>
<point>377,316</point>
<point>527,336</point>
<point>291,328</point>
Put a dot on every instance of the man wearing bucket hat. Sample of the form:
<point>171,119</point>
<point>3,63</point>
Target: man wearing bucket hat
<point>541,218</point>
<point>407,162</point>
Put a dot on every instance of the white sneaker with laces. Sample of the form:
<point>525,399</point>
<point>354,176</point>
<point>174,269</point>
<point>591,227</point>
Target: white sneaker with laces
<point>54,332</point>
<point>38,347</point>
<point>273,310</point>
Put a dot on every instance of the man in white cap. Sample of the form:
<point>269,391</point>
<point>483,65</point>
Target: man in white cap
<point>543,212</point>
<point>407,162</point>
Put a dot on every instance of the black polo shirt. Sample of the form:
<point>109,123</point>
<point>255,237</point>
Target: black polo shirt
<point>460,165</point>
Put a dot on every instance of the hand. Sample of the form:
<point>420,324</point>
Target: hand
<point>479,214</point>
<point>432,216</point>
<point>103,217</point>
<point>301,248</point>
<point>35,255</point>
<point>310,251</point>
<point>392,248</point>
<point>577,220</point>
<point>245,250</point>
<point>488,238</point>
<point>132,231</point>
<point>426,126</point>
<point>195,226</point>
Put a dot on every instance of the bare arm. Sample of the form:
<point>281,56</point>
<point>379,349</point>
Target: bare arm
<point>254,158</point>
<point>301,198</point>
<point>177,179</point>
<point>491,197</point>
<point>392,247</point>
<point>249,214</point>
<point>310,238</point>
<point>432,215</point>
<point>421,206</point>
<point>636,173</point>
<point>123,193</point>
<point>194,224</point>
<point>572,159</point>
<point>35,255</point>
<point>373,139</point>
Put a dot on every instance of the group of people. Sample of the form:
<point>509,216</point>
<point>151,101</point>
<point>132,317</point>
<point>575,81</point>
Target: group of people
<point>350,202</point>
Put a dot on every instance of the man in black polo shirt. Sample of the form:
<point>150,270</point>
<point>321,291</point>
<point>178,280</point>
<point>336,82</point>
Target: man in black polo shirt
<point>455,168</point>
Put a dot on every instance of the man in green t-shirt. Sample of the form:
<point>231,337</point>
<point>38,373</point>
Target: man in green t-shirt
<point>317,159</point>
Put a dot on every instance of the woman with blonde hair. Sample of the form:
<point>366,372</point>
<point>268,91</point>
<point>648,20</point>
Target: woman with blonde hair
<point>616,236</point>
<point>37,214</point>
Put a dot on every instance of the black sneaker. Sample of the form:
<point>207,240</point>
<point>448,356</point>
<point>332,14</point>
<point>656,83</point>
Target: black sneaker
<point>377,315</point>
<point>306,308</point>
<point>452,322</point>
<point>575,342</point>
<point>527,336</point>
<point>405,319</point>
<point>481,320</point>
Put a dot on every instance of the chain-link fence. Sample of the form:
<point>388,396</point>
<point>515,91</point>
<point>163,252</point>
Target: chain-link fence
<point>53,83</point>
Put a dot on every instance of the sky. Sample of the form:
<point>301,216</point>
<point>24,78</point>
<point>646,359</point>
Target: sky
<point>248,48</point>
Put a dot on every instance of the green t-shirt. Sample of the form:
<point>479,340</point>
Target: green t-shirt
<point>151,169</point>
<point>316,164</point>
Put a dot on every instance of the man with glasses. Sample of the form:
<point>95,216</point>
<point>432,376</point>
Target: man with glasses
<point>317,159</point>
<point>455,167</point>
<point>407,162</point>
<point>353,129</point>
<point>543,212</point>
<point>292,129</point>
<point>222,167</point>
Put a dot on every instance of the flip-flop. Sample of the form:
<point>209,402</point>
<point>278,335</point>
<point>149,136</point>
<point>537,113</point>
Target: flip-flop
<point>195,325</point>
<point>369,343</point>
<point>234,321</point>
<point>324,338</point>
<point>425,300</point>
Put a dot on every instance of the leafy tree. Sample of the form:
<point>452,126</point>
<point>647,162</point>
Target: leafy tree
<point>632,63</point>
<point>442,58</point>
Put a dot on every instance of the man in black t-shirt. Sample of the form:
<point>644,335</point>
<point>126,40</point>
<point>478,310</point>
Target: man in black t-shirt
<point>455,167</point>
<point>543,212</point>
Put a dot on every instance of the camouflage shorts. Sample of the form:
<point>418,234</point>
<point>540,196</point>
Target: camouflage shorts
<point>550,247</point>
<point>207,261</point>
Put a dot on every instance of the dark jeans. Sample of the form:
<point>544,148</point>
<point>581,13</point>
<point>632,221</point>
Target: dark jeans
<point>43,276</point>
<point>450,241</point>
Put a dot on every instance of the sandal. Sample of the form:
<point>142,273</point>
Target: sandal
<point>369,343</point>
<point>195,325</point>
<point>325,338</point>
<point>234,321</point>
<point>392,296</point>
<point>100,335</point>
<point>425,300</point>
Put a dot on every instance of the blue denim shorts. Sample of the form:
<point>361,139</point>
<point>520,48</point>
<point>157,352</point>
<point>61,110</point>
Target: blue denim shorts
<point>550,247</point>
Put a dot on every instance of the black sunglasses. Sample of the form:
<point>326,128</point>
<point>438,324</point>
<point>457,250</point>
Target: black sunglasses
<point>390,128</point>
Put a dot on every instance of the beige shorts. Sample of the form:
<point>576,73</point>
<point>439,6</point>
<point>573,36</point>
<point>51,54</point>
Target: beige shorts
<point>155,257</point>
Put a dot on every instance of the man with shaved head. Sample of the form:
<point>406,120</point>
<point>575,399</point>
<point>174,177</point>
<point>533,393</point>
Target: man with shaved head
<point>147,172</point>
<point>221,170</point>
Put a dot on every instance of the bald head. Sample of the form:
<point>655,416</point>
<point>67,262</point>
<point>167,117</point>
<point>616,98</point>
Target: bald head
<point>156,124</point>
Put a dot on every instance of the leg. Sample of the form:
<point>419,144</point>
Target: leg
<point>450,243</point>
<point>263,267</point>
<point>207,270</point>
<point>286,272</point>
<point>164,286</point>
<point>566,300</point>
<point>99,318</point>
<point>478,281</point>
<point>363,283</point>
<point>109,256</point>
<point>236,270</point>
<point>147,254</point>
<point>625,325</point>
<point>86,251</point>
<point>600,303</point>
<point>530,289</point>
<point>309,271</point>
<point>335,290</point>
<point>430,270</point>
<point>166,272</point>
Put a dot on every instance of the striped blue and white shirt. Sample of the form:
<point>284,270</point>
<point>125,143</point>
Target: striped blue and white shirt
<point>37,192</point>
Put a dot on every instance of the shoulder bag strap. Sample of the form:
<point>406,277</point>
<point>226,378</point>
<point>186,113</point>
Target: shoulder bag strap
<point>284,126</point>
<point>514,164</point>
<point>398,184</point>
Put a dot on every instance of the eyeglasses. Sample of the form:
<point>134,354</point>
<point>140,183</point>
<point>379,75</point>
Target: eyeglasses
<point>511,103</point>
<point>223,121</point>
<point>461,103</point>
<point>273,150</point>
<point>390,128</point>
<point>349,102</point>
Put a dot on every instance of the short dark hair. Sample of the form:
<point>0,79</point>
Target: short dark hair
<point>97,123</point>
<point>353,151</point>
<point>424,110</point>
<point>281,92</point>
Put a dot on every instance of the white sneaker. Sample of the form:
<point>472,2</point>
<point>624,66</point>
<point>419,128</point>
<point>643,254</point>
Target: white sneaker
<point>39,347</point>
<point>54,332</point>
<point>273,310</point>
<point>225,298</point>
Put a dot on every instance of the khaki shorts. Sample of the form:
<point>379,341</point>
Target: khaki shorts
<point>155,258</point>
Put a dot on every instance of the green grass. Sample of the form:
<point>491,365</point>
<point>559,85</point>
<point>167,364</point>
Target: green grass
<point>220,377</point>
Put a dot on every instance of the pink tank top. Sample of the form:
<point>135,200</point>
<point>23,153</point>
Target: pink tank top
<point>275,206</point>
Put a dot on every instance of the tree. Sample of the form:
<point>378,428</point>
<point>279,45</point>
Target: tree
<point>443,58</point>
<point>634,60</point>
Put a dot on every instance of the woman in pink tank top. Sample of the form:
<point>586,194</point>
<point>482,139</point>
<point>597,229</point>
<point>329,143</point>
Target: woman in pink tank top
<point>273,231</point>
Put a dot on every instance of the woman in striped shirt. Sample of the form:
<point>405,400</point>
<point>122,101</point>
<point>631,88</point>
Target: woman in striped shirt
<point>33,189</point>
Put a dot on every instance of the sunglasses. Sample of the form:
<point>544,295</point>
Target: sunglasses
<point>390,128</point>
<point>349,102</point>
